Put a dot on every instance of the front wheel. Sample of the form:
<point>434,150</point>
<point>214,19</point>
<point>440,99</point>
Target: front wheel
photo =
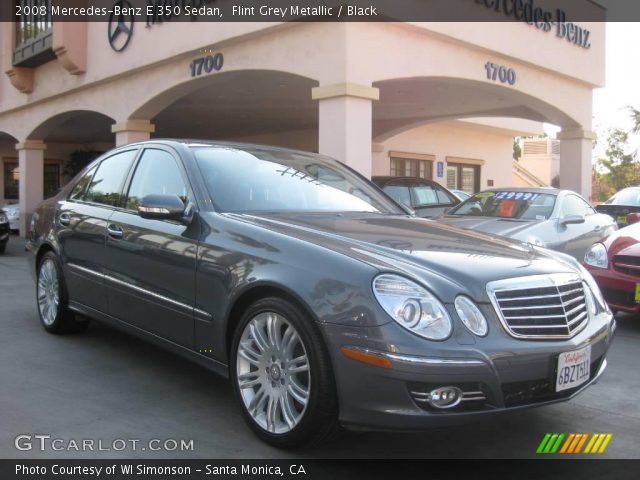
<point>282,376</point>
<point>52,298</point>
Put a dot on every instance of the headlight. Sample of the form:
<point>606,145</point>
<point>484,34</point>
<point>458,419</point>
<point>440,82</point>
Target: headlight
<point>471,316</point>
<point>412,306</point>
<point>3,218</point>
<point>596,256</point>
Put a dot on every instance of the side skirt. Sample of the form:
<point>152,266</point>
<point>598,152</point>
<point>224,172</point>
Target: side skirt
<point>208,363</point>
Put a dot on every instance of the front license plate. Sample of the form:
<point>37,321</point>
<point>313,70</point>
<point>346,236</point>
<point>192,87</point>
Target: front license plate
<point>637,292</point>
<point>574,368</point>
<point>622,219</point>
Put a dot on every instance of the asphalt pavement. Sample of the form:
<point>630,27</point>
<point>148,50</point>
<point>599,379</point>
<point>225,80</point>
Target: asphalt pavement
<point>114,390</point>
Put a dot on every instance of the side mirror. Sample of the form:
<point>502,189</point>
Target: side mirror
<point>572,220</point>
<point>633,218</point>
<point>408,210</point>
<point>162,207</point>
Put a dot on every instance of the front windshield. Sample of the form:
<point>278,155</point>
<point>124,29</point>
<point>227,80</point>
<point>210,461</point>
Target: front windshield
<point>506,204</point>
<point>259,180</point>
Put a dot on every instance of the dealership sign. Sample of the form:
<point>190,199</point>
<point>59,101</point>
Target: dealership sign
<point>545,20</point>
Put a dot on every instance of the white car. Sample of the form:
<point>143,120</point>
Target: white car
<point>13,212</point>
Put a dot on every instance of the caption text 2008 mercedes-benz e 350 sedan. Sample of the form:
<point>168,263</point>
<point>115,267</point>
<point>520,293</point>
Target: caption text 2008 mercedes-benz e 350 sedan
<point>323,300</point>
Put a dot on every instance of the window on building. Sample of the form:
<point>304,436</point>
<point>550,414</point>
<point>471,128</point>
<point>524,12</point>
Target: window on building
<point>33,34</point>
<point>50,183</point>
<point>463,176</point>
<point>11,181</point>
<point>411,165</point>
<point>51,179</point>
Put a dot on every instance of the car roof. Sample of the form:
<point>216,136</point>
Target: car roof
<point>549,190</point>
<point>405,180</point>
<point>196,143</point>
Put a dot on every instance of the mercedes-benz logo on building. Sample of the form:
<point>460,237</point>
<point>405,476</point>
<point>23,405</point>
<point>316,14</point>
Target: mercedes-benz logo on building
<point>121,25</point>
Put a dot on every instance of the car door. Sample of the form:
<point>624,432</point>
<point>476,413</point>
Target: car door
<point>150,276</point>
<point>81,222</point>
<point>579,237</point>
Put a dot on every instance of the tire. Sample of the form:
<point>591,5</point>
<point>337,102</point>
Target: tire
<point>52,300</point>
<point>3,247</point>
<point>303,403</point>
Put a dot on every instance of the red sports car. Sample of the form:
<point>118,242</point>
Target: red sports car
<point>615,265</point>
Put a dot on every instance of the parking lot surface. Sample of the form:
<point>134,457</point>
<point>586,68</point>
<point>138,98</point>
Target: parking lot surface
<point>104,385</point>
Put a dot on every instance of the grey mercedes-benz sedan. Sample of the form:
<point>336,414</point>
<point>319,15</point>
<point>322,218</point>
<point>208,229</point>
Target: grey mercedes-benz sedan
<point>322,300</point>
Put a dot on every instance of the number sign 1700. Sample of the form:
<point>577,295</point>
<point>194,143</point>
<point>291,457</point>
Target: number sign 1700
<point>500,72</point>
<point>208,64</point>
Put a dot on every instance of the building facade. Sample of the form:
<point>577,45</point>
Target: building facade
<point>437,100</point>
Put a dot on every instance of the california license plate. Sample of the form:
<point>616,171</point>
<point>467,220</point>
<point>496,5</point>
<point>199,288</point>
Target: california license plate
<point>574,368</point>
<point>637,293</point>
<point>622,219</point>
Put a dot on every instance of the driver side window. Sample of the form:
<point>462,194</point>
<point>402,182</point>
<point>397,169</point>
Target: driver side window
<point>156,173</point>
<point>573,205</point>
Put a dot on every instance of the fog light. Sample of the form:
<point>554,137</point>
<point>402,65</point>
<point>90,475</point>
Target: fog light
<point>445,397</point>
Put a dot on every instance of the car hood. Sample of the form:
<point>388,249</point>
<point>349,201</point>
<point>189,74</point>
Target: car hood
<point>625,241</point>
<point>445,257</point>
<point>506,227</point>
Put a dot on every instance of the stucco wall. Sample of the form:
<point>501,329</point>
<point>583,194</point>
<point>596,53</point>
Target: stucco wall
<point>453,139</point>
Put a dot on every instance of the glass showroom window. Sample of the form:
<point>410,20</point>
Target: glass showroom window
<point>50,184</point>
<point>407,167</point>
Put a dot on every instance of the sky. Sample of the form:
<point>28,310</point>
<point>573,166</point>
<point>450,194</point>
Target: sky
<point>622,77</point>
<point>622,86</point>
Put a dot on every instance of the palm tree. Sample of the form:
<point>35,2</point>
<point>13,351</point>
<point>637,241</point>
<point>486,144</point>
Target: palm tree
<point>635,116</point>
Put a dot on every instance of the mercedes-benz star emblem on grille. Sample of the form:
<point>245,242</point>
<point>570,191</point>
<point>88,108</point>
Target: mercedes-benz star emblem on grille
<point>121,26</point>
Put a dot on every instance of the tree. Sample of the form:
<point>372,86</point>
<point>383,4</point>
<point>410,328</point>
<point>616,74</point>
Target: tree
<point>78,159</point>
<point>517,149</point>
<point>621,168</point>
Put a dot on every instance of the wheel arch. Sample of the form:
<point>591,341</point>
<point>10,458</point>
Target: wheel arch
<point>243,299</point>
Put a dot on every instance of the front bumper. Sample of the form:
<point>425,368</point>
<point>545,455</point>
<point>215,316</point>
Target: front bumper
<point>617,288</point>
<point>497,373</point>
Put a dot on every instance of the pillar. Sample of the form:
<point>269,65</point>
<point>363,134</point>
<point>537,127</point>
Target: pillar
<point>31,166</point>
<point>576,150</point>
<point>345,123</point>
<point>132,131</point>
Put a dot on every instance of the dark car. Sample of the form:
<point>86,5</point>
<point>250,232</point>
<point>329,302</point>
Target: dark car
<point>426,198</point>
<point>558,219</point>
<point>322,300</point>
<point>4,230</point>
<point>621,204</point>
<point>615,265</point>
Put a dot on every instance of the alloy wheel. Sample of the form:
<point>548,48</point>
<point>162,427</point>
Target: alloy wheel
<point>48,291</point>
<point>273,373</point>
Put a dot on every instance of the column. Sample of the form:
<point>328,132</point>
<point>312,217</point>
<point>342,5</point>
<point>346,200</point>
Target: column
<point>345,123</point>
<point>31,166</point>
<point>576,147</point>
<point>132,131</point>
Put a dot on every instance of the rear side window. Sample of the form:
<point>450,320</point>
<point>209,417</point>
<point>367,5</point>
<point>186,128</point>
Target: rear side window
<point>81,186</point>
<point>106,186</point>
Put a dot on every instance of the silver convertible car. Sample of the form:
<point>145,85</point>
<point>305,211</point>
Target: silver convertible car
<point>318,296</point>
<point>547,217</point>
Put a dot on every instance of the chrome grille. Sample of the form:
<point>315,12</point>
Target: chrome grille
<point>540,306</point>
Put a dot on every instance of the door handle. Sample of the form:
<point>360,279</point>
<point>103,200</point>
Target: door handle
<point>115,231</point>
<point>598,228</point>
<point>64,219</point>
